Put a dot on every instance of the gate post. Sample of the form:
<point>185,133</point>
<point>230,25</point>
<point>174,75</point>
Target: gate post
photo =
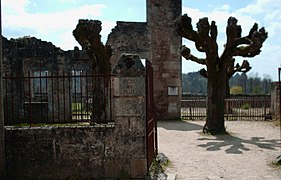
<point>2,129</point>
<point>129,113</point>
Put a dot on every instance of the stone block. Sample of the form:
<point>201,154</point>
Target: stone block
<point>129,65</point>
<point>138,168</point>
<point>173,108</point>
<point>129,86</point>
<point>172,65</point>
<point>129,106</point>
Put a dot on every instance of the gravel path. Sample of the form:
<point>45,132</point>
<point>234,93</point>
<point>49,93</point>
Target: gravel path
<point>247,153</point>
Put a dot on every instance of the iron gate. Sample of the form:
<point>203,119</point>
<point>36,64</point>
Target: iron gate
<point>151,125</point>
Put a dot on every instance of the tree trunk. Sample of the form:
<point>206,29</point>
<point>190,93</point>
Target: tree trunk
<point>215,103</point>
<point>227,89</point>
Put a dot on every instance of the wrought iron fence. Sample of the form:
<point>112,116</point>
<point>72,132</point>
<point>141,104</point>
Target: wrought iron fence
<point>236,108</point>
<point>55,97</point>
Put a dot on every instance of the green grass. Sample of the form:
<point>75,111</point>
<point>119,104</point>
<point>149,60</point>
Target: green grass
<point>246,106</point>
<point>77,107</point>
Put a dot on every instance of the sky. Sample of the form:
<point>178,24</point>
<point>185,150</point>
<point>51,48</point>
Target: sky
<point>54,21</point>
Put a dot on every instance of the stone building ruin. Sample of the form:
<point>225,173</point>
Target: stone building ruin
<point>154,40</point>
<point>157,41</point>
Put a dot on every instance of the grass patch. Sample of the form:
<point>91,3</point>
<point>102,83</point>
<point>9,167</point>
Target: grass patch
<point>54,125</point>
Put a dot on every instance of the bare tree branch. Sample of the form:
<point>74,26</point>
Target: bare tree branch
<point>203,73</point>
<point>253,42</point>
<point>185,52</point>
<point>184,28</point>
<point>245,67</point>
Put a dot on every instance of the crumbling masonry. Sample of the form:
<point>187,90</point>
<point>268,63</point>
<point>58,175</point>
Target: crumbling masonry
<point>155,40</point>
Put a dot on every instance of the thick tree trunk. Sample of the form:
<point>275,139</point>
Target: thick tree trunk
<point>227,90</point>
<point>215,103</point>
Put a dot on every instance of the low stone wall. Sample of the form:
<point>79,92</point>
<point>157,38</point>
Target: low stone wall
<point>102,151</point>
<point>74,152</point>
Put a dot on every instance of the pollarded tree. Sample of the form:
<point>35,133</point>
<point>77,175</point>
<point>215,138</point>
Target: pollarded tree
<point>219,68</point>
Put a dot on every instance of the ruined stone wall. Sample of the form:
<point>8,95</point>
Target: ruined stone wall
<point>101,151</point>
<point>166,58</point>
<point>24,57</point>
<point>157,41</point>
<point>129,37</point>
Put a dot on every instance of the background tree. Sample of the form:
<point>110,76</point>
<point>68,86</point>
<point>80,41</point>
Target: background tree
<point>87,34</point>
<point>219,68</point>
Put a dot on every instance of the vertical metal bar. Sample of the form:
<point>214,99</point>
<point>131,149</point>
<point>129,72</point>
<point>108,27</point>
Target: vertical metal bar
<point>12,97</point>
<point>6,114</point>
<point>81,92</point>
<point>64,104</point>
<point>41,94</point>
<point>87,96</point>
<point>47,95</point>
<point>69,96</point>
<point>75,97</point>
<point>264,105</point>
<point>53,113</point>
<point>29,99</point>
<point>227,108</point>
<point>58,95</point>
<point>18,97</point>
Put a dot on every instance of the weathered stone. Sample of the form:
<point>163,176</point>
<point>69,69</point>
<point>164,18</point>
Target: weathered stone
<point>128,86</point>
<point>129,65</point>
<point>157,41</point>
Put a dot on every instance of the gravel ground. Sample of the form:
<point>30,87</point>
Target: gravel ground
<point>247,153</point>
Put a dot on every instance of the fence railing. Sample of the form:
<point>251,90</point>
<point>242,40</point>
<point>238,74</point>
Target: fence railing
<point>55,97</point>
<point>236,108</point>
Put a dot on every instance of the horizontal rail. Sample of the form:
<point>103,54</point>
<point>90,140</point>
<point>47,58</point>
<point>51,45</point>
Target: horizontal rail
<point>243,108</point>
<point>55,97</point>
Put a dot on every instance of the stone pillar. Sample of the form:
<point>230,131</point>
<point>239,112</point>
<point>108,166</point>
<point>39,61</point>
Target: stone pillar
<point>275,100</point>
<point>129,113</point>
<point>2,129</point>
<point>166,57</point>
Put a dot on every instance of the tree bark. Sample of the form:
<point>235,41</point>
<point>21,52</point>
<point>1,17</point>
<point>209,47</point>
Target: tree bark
<point>87,34</point>
<point>215,104</point>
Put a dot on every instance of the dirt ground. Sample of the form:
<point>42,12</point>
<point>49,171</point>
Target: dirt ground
<point>247,153</point>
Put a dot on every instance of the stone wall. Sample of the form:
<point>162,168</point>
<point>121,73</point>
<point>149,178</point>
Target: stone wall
<point>101,151</point>
<point>157,41</point>
<point>166,58</point>
<point>129,37</point>
<point>28,56</point>
<point>275,100</point>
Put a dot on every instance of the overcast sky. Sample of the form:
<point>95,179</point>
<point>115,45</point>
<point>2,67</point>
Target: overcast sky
<point>54,20</point>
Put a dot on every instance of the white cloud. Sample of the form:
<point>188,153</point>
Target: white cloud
<point>55,27</point>
<point>15,6</point>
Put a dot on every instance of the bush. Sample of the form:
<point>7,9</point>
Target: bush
<point>236,90</point>
<point>246,106</point>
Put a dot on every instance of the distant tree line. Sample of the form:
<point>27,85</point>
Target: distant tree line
<point>240,83</point>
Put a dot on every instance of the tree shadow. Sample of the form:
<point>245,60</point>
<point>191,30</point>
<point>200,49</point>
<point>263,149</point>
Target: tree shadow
<point>237,145</point>
<point>179,125</point>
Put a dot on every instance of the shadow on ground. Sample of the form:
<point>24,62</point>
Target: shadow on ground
<point>236,145</point>
<point>179,125</point>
